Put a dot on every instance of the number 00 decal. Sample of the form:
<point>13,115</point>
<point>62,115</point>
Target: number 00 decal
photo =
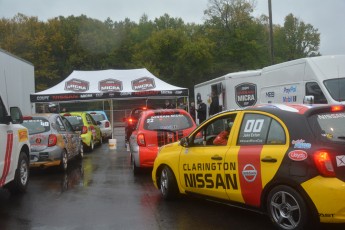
<point>254,126</point>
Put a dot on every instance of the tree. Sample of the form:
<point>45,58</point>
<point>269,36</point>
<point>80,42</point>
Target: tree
<point>237,35</point>
<point>296,40</point>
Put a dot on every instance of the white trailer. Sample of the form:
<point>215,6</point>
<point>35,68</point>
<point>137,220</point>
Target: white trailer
<point>321,78</point>
<point>234,89</point>
<point>17,82</point>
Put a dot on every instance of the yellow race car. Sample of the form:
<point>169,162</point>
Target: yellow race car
<point>84,123</point>
<point>285,160</point>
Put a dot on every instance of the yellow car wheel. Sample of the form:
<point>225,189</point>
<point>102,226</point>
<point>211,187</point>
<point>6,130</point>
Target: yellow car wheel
<point>287,208</point>
<point>168,185</point>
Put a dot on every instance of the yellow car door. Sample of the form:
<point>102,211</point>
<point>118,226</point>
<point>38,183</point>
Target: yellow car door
<point>202,163</point>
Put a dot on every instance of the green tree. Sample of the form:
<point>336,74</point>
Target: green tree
<point>296,39</point>
<point>239,38</point>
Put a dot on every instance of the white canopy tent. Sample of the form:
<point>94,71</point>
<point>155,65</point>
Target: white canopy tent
<point>109,84</point>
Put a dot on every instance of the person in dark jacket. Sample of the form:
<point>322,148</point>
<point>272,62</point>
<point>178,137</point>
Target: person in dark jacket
<point>201,111</point>
<point>214,106</point>
<point>192,111</point>
<point>168,105</point>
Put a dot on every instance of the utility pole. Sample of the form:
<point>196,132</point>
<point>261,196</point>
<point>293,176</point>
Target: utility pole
<point>271,30</point>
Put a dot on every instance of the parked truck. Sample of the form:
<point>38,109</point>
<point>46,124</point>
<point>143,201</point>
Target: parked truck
<point>14,143</point>
<point>17,81</point>
<point>321,78</point>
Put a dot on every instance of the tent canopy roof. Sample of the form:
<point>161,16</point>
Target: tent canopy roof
<point>109,84</point>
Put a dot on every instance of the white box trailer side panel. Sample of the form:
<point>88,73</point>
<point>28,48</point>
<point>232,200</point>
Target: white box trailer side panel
<point>17,82</point>
<point>241,89</point>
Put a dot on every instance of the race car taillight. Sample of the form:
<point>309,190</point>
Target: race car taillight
<point>324,164</point>
<point>84,130</point>
<point>141,140</point>
<point>130,120</point>
<point>107,124</point>
<point>52,140</point>
<point>337,108</point>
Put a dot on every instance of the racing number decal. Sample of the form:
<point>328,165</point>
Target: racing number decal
<point>7,162</point>
<point>254,126</point>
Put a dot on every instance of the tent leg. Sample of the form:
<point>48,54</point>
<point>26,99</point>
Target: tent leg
<point>112,118</point>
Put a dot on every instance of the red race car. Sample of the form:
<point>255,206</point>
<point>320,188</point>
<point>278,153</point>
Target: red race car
<point>156,128</point>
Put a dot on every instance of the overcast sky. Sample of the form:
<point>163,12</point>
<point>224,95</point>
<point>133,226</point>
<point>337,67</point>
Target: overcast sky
<point>325,15</point>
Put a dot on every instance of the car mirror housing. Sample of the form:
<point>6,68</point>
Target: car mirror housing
<point>16,115</point>
<point>184,142</point>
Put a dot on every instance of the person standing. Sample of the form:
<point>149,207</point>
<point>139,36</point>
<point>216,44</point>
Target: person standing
<point>201,111</point>
<point>192,111</point>
<point>168,105</point>
<point>214,106</point>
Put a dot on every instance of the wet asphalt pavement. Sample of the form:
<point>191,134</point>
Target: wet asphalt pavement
<point>100,192</point>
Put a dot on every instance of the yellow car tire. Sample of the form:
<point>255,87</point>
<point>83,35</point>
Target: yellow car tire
<point>168,184</point>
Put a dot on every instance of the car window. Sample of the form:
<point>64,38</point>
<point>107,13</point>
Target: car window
<point>59,125</point>
<point>330,126</point>
<point>37,125</point>
<point>258,129</point>
<point>67,124</point>
<point>215,132</point>
<point>312,88</point>
<point>168,122</point>
<point>98,117</point>
<point>90,120</point>
<point>75,120</point>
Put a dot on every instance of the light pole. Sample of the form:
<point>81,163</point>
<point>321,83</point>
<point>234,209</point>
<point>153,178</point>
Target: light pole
<point>271,30</point>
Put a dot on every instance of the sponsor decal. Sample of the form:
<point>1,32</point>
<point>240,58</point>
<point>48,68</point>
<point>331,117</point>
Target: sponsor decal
<point>23,135</point>
<point>326,215</point>
<point>7,159</point>
<point>269,94</point>
<point>144,83</point>
<point>166,92</point>
<point>291,89</point>
<point>42,98</point>
<point>89,95</point>
<point>146,93</point>
<point>300,144</point>
<point>245,94</point>
<point>110,85</point>
<point>65,97</point>
<point>331,116</point>
<point>298,155</point>
<point>290,99</point>
<point>249,172</point>
<point>77,85</point>
<point>340,160</point>
<point>201,175</point>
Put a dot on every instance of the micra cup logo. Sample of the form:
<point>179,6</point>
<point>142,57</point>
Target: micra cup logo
<point>110,85</point>
<point>144,83</point>
<point>77,85</point>
<point>298,155</point>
